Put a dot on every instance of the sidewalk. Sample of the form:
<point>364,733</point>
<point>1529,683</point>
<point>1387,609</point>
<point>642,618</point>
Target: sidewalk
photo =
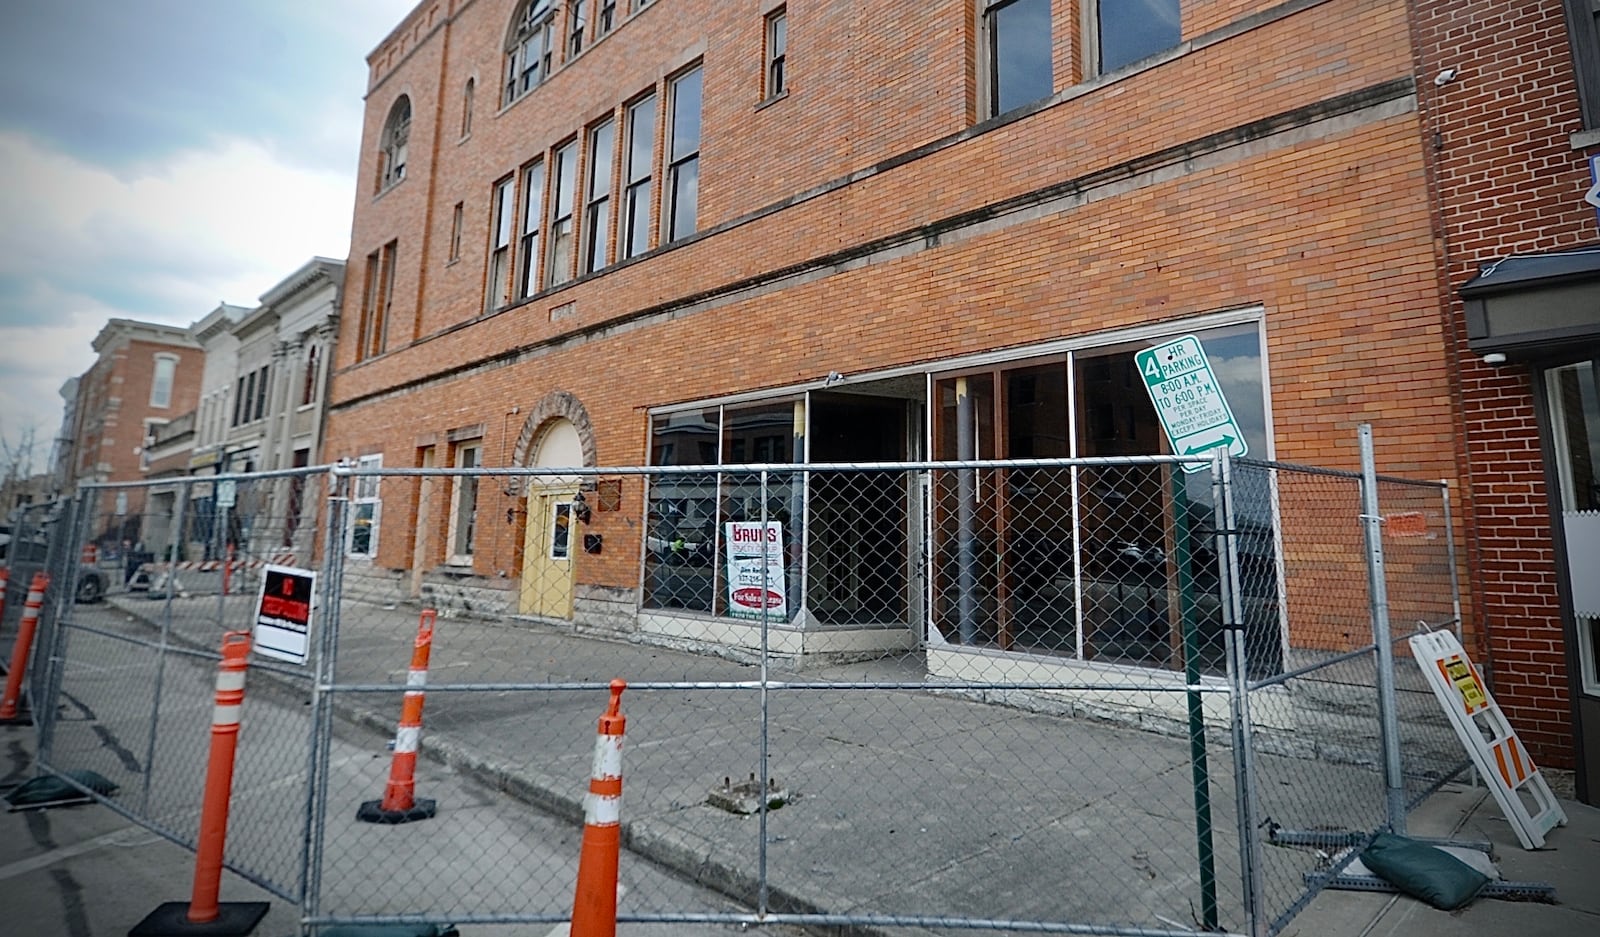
<point>901,801</point>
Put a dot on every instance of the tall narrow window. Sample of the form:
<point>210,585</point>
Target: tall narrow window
<point>559,268</point>
<point>635,237</point>
<point>608,18</point>
<point>683,158</point>
<point>532,219</point>
<point>499,288</point>
<point>1127,32</point>
<point>366,509</point>
<point>238,404</point>
<point>396,134</point>
<point>309,383</point>
<point>777,49</point>
<point>577,22</point>
<point>1018,33</point>
<point>466,107</point>
<point>380,331</point>
<point>597,201</point>
<point>166,368</point>
<point>528,48</point>
<point>247,411</point>
<point>456,221</point>
<point>463,505</point>
<point>264,376</point>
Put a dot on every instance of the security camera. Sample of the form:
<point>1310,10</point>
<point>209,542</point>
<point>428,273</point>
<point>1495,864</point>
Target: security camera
<point>1445,77</point>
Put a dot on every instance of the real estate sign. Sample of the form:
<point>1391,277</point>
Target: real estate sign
<point>283,613</point>
<point>751,545</point>
<point>1187,397</point>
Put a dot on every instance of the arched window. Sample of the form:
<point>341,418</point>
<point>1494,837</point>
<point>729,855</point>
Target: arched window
<point>529,47</point>
<point>396,131</point>
<point>466,107</point>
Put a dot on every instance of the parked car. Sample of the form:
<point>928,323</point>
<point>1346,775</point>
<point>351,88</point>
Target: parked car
<point>27,556</point>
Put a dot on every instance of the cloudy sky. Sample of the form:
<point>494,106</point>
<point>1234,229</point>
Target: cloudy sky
<point>160,156</point>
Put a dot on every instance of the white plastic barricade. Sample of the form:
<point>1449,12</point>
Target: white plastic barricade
<point>1495,749</point>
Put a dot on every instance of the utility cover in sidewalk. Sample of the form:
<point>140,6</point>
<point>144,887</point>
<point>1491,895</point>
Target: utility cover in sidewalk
<point>745,797</point>
<point>1187,397</point>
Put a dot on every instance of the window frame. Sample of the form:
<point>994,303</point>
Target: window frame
<point>599,210</point>
<point>530,50</point>
<point>457,223</point>
<point>1583,35</point>
<point>310,387</point>
<point>468,92</point>
<point>577,28</point>
<point>559,257</point>
<point>776,46</point>
<point>394,145</point>
<point>988,21</point>
<point>366,495</point>
<point>638,189</point>
<point>1093,45</point>
<point>502,221</point>
<point>168,362</point>
<point>674,162</point>
<point>528,238</point>
<point>606,18</point>
<point>462,487</point>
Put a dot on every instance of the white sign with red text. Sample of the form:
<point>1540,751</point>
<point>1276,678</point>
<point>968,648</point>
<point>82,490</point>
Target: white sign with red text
<point>752,546</point>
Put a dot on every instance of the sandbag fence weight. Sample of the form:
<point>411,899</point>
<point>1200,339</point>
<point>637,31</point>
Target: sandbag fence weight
<point>923,694</point>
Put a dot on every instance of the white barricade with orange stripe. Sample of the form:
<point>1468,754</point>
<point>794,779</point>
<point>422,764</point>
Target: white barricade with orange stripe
<point>1495,749</point>
<point>158,576</point>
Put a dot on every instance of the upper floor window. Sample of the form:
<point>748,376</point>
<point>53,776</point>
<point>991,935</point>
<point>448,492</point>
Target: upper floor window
<point>529,48</point>
<point>683,156</point>
<point>499,291</point>
<point>1583,29</point>
<point>634,239</point>
<point>1018,47</point>
<point>532,220</point>
<point>1126,32</point>
<point>607,19</point>
<point>457,221</point>
<point>467,92</point>
<point>565,181</point>
<point>377,298</point>
<point>396,132</point>
<point>577,22</point>
<point>777,48</point>
<point>166,369</point>
<point>597,200</point>
<point>309,381</point>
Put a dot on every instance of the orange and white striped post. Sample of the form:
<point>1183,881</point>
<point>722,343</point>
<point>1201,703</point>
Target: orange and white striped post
<point>9,708</point>
<point>399,803</point>
<point>204,914</point>
<point>594,906</point>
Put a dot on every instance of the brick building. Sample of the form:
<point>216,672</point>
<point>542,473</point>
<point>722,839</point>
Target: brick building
<point>689,232</point>
<point>145,375</point>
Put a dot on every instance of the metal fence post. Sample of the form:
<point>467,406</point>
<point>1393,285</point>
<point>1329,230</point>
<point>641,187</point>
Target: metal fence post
<point>48,688</point>
<point>1238,675</point>
<point>320,744</point>
<point>766,627</point>
<point>1450,550</point>
<point>161,650</point>
<point>1199,767</point>
<point>1393,781</point>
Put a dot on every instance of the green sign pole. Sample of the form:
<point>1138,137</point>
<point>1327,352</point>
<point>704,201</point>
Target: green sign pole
<point>1199,768</point>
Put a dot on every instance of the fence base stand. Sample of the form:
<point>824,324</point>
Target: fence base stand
<point>1500,888</point>
<point>22,718</point>
<point>236,919</point>
<point>48,791</point>
<point>423,808</point>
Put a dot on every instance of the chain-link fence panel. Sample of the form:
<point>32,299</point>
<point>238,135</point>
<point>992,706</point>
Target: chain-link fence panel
<point>134,682</point>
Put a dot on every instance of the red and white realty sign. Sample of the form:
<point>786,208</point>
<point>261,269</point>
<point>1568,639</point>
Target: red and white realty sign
<point>752,545</point>
<point>283,613</point>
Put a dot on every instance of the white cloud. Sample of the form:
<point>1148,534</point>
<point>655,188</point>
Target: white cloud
<point>83,245</point>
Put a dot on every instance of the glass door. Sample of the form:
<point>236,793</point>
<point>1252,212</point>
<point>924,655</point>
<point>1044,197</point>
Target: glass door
<point>1574,394</point>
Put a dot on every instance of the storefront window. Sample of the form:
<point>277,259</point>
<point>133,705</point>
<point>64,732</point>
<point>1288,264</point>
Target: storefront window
<point>681,538</point>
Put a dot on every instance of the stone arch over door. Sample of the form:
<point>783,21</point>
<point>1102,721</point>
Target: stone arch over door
<point>556,405</point>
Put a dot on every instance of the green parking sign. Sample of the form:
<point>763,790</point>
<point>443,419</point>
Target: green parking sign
<point>1194,413</point>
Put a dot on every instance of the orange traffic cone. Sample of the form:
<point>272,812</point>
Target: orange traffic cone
<point>203,913</point>
<point>594,906</point>
<point>10,713</point>
<point>398,804</point>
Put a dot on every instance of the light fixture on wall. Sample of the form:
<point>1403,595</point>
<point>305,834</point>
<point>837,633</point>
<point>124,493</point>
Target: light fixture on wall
<point>580,508</point>
<point>1444,77</point>
<point>1494,357</point>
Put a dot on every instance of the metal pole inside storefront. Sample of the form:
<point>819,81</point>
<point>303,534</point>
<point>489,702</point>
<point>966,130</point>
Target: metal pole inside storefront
<point>966,518</point>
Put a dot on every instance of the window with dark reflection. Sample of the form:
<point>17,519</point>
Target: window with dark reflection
<point>1130,30</point>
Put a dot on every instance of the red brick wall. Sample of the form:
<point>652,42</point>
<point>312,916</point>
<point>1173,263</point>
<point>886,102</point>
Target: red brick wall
<point>1508,182</point>
<point>1329,229</point>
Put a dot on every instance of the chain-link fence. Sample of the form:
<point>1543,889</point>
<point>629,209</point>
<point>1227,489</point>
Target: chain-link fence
<point>1037,694</point>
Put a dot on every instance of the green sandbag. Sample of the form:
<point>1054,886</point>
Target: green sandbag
<point>1425,872</point>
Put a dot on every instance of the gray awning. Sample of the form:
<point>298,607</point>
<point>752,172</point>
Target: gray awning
<point>1535,305</point>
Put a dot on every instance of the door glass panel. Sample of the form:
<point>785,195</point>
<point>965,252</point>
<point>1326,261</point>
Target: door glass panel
<point>560,530</point>
<point>1574,393</point>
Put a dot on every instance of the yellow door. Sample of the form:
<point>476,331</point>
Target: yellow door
<point>547,554</point>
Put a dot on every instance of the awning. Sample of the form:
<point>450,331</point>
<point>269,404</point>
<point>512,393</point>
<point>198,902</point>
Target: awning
<point>1535,305</point>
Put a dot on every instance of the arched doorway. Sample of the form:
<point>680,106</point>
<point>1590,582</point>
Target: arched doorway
<point>557,434</point>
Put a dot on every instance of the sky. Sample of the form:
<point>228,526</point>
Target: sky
<point>159,157</point>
